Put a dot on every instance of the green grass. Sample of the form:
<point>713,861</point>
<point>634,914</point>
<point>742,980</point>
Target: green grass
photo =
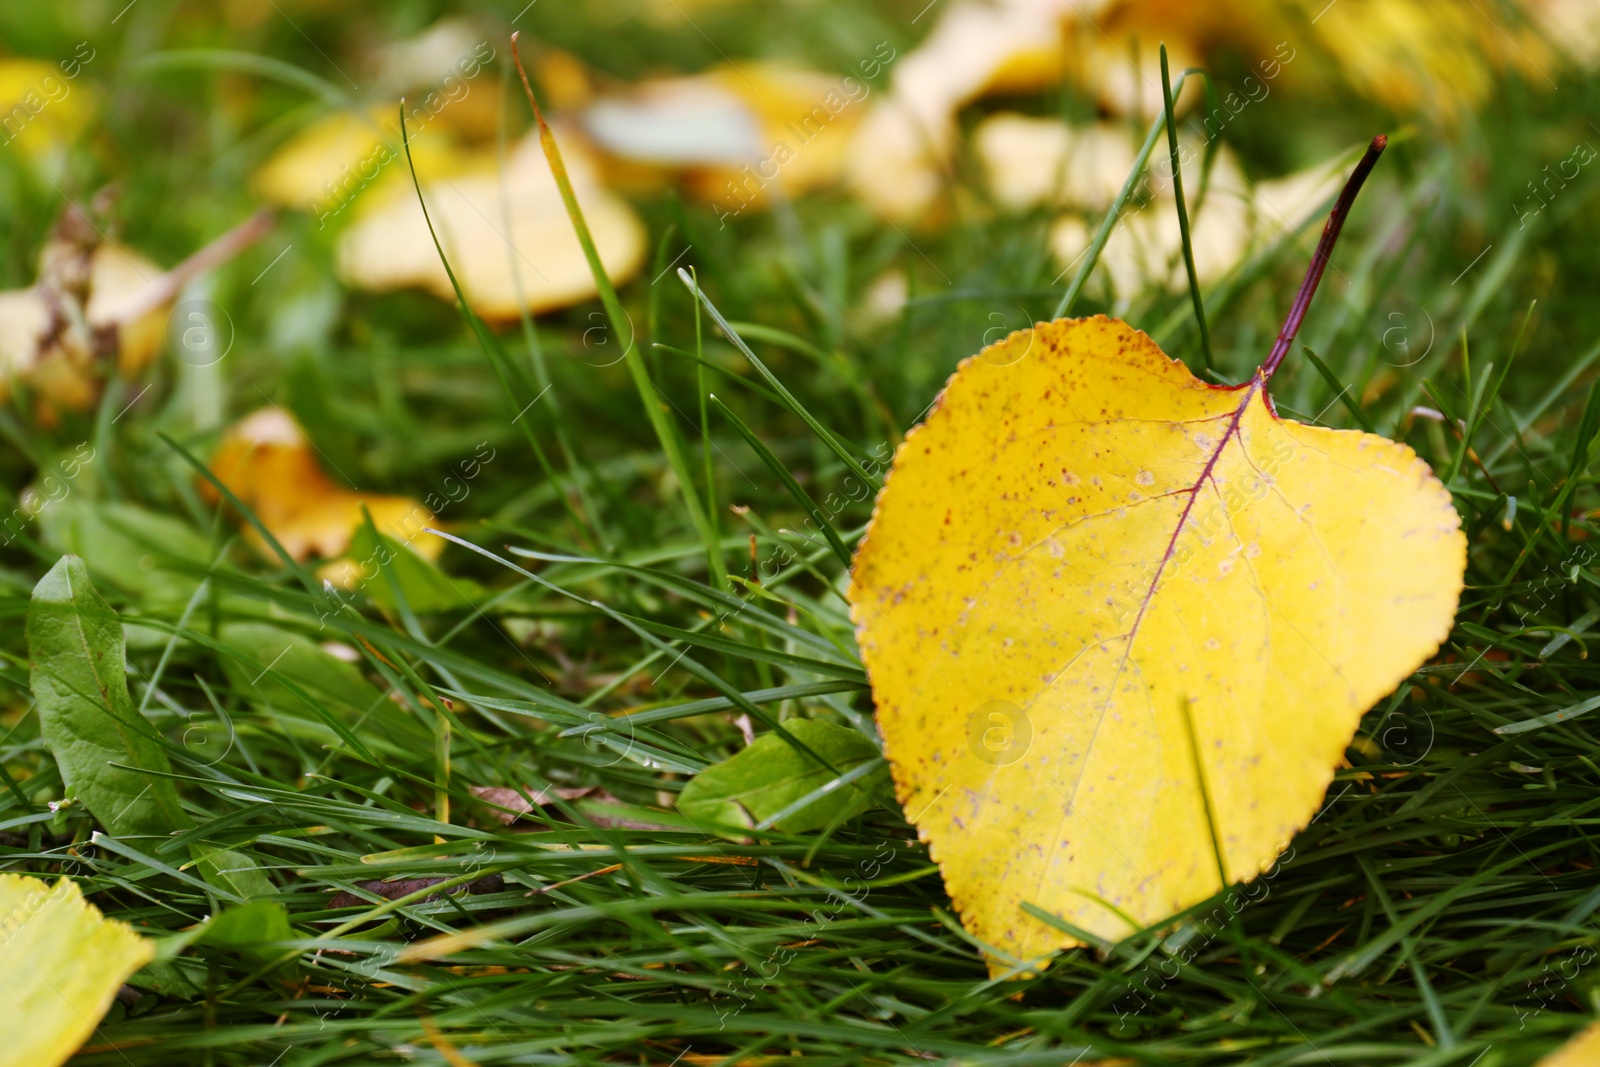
<point>1439,910</point>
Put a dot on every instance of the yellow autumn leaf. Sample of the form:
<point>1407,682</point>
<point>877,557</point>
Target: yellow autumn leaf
<point>347,157</point>
<point>1118,53</point>
<point>267,461</point>
<point>61,964</point>
<point>510,243</point>
<point>1028,162</point>
<point>438,78</point>
<point>1431,56</point>
<point>42,109</point>
<point>1582,1051</point>
<point>903,145</point>
<point>1574,25</point>
<point>43,342</point>
<point>1031,162</point>
<point>737,134</point>
<point>1238,218</point>
<point>1083,547</point>
<point>95,306</point>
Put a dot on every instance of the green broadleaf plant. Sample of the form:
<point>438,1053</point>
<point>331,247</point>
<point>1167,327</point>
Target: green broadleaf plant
<point>110,757</point>
<point>769,779</point>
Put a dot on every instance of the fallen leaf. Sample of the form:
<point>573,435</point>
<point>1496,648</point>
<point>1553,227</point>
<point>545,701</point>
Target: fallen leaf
<point>109,755</point>
<point>508,805</point>
<point>97,307</point>
<point>1438,57</point>
<point>1582,1051</point>
<point>511,244</point>
<point>1120,49</point>
<point>1433,57</point>
<point>267,462</point>
<point>43,110</point>
<point>694,121</point>
<point>356,154</point>
<point>902,149</point>
<point>1121,547</point>
<point>331,164</point>
<point>1237,218</point>
<point>738,134</point>
<point>771,775</point>
<point>1030,162</point>
<point>61,964</point>
<point>440,75</point>
<point>402,887</point>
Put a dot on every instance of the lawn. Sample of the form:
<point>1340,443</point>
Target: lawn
<point>590,552</point>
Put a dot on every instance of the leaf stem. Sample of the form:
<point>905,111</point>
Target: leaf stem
<point>1319,262</point>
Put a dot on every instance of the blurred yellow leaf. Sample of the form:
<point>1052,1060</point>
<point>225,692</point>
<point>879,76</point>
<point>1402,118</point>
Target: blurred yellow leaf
<point>1090,574</point>
<point>61,964</point>
<point>510,243</point>
<point>738,133</point>
<point>96,303</point>
<point>903,145</point>
<point>57,336</point>
<point>1034,161</point>
<point>1582,1051</point>
<point>42,110</point>
<point>337,160</point>
<point>267,462</point>
<point>1428,56</point>
<point>1432,58</point>
<point>1573,25</point>
<point>355,159</point>
<point>1031,162</point>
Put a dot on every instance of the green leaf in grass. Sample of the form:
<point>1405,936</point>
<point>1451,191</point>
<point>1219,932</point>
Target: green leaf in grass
<point>110,756</point>
<point>127,546</point>
<point>770,776</point>
<point>384,563</point>
<point>275,656</point>
<point>253,930</point>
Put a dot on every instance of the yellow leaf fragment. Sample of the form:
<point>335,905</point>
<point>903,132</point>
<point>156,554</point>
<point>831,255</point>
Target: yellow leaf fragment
<point>119,283</point>
<point>267,462</point>
<point>42,110</point>
<point>1083,549</point>
<point>1574,25</point>
<point>1436,56</point>
<point>341,158</point>
<point>1582,1051</point>
<point>1028,162</point>
<point>61,964</point>
<point>57,334</point>
<point>903,146</point>
<point>738,134</point>
<point>96,305</point>
<point>1237,218</point>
